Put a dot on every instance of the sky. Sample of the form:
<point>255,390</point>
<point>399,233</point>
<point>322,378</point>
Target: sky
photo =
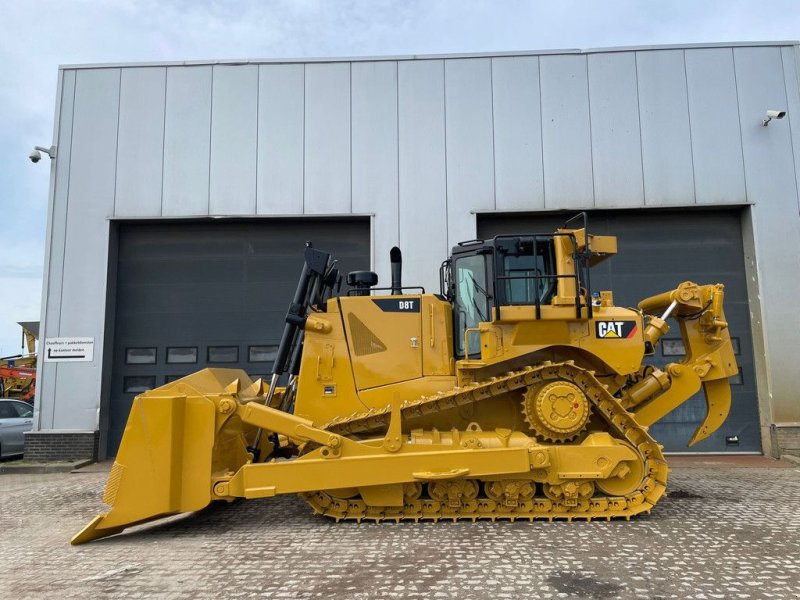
<point>36,36</point>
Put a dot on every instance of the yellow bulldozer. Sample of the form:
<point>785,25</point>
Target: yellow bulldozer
<point>514,393</point>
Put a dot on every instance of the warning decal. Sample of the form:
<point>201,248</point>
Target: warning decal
<point>608,330</point>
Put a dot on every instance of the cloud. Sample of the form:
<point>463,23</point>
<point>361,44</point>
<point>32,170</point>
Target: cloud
<point>39,36</point>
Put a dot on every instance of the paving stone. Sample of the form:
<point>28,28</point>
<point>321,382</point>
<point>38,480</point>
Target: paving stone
<point>723,533</point>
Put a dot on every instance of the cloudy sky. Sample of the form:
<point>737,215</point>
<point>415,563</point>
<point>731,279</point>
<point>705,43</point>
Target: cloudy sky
<point>36,36</point>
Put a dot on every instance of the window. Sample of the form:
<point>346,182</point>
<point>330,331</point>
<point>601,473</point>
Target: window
<point>24,410</point>
<point>262,353</point>
<point>223,354</point>
<point>472,302</point>
<point>737,379</point>
<point>136,384</point>
<point>182,355</point>
<point>171,378</point>
<point>140,356</point>
<point>7,411</point>
<point>524,269</point>
<point>735,344</point>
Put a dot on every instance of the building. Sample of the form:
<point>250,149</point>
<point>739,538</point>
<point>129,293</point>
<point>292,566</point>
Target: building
<point>182,195</point>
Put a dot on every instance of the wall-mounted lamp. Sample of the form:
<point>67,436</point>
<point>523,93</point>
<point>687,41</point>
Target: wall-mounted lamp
<point>773,114</point>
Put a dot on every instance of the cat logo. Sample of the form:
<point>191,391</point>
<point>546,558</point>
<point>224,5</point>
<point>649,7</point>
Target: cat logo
<point>608,330</point>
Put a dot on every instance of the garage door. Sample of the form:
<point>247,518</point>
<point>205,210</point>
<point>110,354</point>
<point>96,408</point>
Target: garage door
<point>657,251</point>
<point>191,295</point>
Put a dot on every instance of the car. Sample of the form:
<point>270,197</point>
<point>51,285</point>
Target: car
<point>16,417</point>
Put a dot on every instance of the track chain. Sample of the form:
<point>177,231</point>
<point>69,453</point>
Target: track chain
<point>618,419</point>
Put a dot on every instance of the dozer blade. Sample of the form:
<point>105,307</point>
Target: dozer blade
<point>718,403</point>
<point>164,463</point>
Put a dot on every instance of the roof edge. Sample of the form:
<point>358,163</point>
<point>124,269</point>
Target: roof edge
<point>407,57</point>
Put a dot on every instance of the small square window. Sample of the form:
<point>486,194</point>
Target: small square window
<point>171,378</point>
<point>673,347</point>
<point>262,353</point>
<point>136,384</point>
<point>737,379</point>
<point>735,344</point>
<point>140,356</point>
<point>183,355</point>
<point>223,354</point>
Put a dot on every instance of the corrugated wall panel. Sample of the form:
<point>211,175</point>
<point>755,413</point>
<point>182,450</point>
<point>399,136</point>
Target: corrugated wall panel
<point>566,135</point>
<point>791,77</point>
<point>423,185</point>
<point>375,168</point>
<point>469,144</point>
<point>716,139</point>
<point>140,147</point>
<point>234,127</point>
<point>771,185</point>
<point>519,177</point>
<point>280,139</point>
<point>666,138</point>
<point>51,310</point>
<point>187,141</point>
<point>327,138</point>
<point>91,202</point>
<point>616,141</point>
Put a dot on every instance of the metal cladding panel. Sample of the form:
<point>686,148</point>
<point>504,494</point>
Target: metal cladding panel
<point>187,141</point>
<point>469,140</point>
<point>140,147</point>
<point>280,139</point>
<point>54,269</point>
<point>90,203</point>
<point>423,184</point>
<point>519,172</point>
<point>664,119</point>
<point>375,168</point>
<point>234,125</point>
<point>327,139</point>
<point>714,116</point>
<point>566,135</point>
<point>771,184</point>
<point>616,139</point>
<point>790,57</point>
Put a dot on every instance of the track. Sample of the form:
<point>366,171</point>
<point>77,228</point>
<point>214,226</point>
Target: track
<point>479,498</point>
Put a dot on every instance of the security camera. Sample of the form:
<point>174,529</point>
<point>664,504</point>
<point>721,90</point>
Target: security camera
<point>36,155</point>
<point>773,114</point>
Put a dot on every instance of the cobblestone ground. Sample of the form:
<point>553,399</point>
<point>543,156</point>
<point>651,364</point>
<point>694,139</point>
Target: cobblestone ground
<point>725,532</point>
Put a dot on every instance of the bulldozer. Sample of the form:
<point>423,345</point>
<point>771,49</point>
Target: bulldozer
<point>516,392</point>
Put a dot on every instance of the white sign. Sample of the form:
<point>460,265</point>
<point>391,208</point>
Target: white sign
<point>69,349</point>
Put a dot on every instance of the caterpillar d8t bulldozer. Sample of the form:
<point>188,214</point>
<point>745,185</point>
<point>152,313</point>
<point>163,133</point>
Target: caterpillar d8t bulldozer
<point>515,393</point>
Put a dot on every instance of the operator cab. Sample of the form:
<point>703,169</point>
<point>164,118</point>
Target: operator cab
<point>481,276</point>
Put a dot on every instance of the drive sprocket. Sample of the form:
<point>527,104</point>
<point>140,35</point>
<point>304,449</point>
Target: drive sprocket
<point>557,411</point>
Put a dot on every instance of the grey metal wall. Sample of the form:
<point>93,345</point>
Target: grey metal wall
<point>420,144</point>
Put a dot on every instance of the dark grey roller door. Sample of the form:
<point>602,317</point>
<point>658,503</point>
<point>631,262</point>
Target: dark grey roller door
<point>197,294</point>
<point>657,251</point>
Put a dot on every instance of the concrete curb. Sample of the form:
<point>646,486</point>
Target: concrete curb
<point>23,467</point>
<point>791,458</point>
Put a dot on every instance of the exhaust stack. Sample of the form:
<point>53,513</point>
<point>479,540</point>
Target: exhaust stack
<point>396,258</point>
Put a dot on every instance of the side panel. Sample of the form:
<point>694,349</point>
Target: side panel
<point>437,337</point>
<point>140,147</point>
<point>666,138</point>
<point>385,338</point>
<point>280,139</point>
<point>716,139</point>
<point>566,135</point>
<point>232,181</point>
<point>519,176</point>
<point>327,139</point>
<point>187,141</point>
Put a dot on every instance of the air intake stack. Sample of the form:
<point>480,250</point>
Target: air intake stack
<point>397,269</point>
